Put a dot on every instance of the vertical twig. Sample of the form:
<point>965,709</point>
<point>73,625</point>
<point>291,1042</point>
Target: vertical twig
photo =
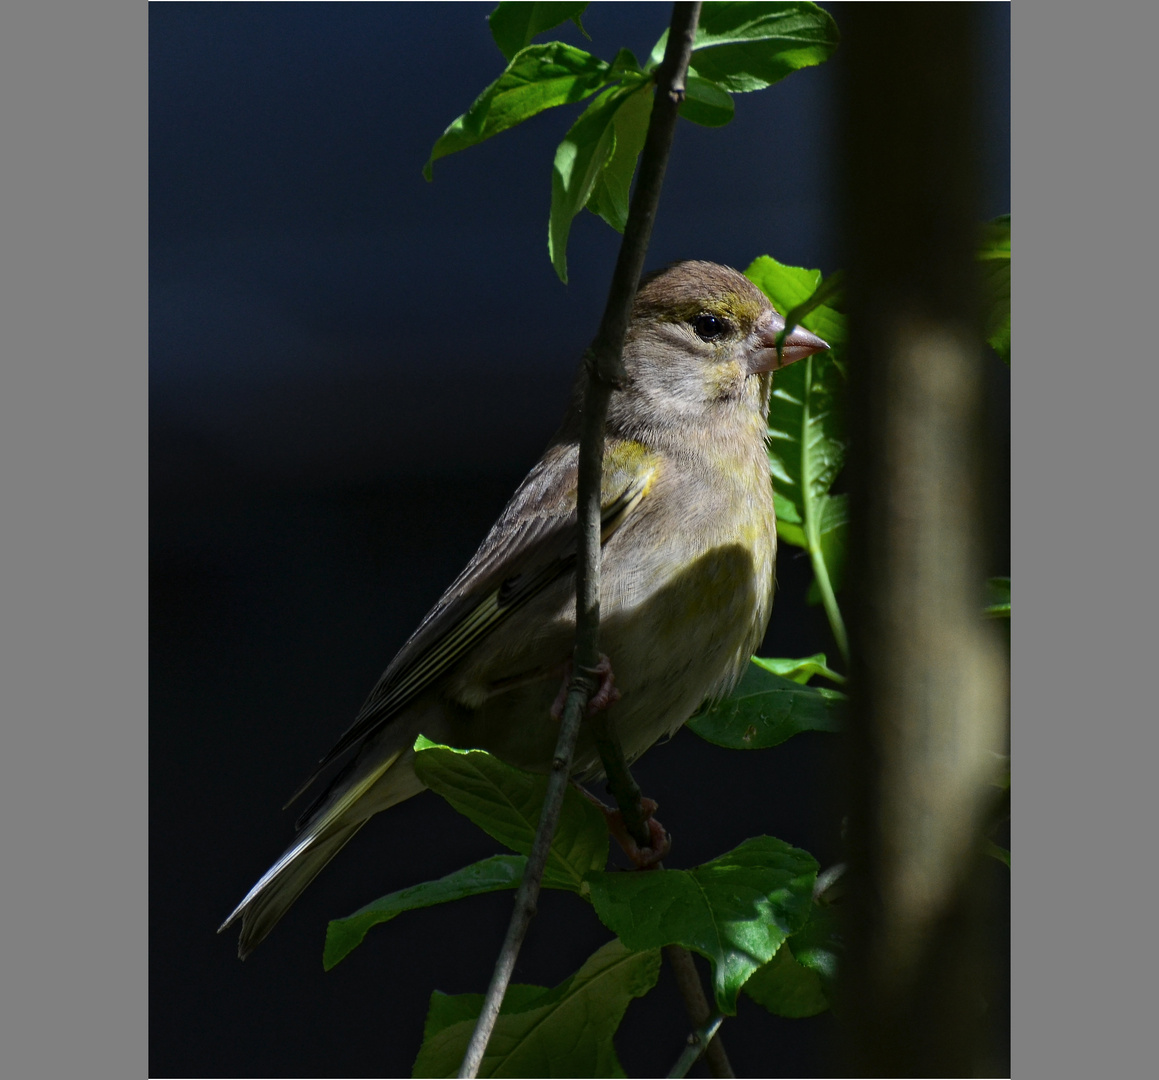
<point>927,676</point>
<point>605,372</point>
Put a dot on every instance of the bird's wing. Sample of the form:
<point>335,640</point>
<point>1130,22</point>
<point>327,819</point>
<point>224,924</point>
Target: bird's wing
<point>531,545</point>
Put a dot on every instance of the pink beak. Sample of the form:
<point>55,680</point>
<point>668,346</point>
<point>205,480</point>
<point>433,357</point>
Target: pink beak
<point>798,344</point>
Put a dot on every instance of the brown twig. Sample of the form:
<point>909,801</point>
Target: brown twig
<point>605,371</point>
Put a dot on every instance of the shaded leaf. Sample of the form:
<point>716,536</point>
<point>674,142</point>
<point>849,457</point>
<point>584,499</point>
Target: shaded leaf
<point>514,25</point>
<point>748,46</point>
<point>765,709</point>
<point>1000,853</point>
<point>489,875</point>
<point>736,910</point>
<point>994,272</point>
<point>562,1032</point>
<point>998,598</point>
<point>506,803</point>
<point>537,78</point>
<point>787,988</point>
<point>802,982</point>
<point>706,103</point>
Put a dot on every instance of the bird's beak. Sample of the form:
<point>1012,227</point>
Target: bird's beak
<point>798,344</point>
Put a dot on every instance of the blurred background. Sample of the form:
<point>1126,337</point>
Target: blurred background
<point>350,371</point>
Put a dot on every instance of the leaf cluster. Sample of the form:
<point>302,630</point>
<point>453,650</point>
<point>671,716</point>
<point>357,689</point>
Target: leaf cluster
<point>739,47</point>
<point>737,911</point>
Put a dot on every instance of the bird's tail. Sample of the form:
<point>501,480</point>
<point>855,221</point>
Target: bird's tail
<point>326,832</point>
<point>283,883</point>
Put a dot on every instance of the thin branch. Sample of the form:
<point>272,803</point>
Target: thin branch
<point>606,371</point>
<point>696,1004</point>
<point>697,1042</point>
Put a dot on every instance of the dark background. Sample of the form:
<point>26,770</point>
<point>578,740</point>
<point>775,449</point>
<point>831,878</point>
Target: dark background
<point>350,371</point>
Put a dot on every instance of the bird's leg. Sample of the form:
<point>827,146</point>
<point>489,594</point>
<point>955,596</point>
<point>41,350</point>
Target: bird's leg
<point>606,693</point>
<point>643,858</point>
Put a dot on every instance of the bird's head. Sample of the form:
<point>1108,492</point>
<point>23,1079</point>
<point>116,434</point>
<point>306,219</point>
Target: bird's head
<point>701,343</point>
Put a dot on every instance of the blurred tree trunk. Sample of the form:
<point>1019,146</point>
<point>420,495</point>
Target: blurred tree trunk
<point>928,677</point>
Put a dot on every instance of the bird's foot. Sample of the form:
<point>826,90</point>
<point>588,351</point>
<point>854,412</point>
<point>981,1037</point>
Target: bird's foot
<point>606,693</point>
<point>643,857</point>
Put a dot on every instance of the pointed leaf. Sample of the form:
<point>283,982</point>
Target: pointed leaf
<point>765,709</point>
<point>537,78</point>
<point>996,852</point>
<point>736,910</point>
<point>610,196</point>
<point>799,671</point>
<point>579,161</point>
<point>506,803</point>
<point>748,46</point>
<point>514,25</point>
<point>790,286</point>
<point>489,875</point>
<point>562,1032</point>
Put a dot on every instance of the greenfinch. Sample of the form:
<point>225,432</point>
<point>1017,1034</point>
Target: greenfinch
<point>689,543</point>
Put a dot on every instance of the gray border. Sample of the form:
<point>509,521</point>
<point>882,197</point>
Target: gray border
<point>1084,396</point>
<point>73,413</point>
<point>73,416</point>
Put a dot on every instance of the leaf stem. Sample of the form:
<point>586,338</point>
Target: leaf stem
<point>828,599</point>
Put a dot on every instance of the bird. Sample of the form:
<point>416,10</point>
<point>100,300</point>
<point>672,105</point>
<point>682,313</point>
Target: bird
<point>688,554</point>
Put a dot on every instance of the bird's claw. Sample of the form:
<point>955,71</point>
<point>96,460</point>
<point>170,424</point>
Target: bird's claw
<point>643,857</point>
<point>606,693</point>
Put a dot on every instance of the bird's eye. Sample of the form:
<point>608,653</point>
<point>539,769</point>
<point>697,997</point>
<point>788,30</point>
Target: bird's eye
<point>709,327</point>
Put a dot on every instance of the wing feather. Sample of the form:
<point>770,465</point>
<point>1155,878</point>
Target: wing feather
<point>531,545</point>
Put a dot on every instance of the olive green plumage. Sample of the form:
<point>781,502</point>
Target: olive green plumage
<point>687,575</point>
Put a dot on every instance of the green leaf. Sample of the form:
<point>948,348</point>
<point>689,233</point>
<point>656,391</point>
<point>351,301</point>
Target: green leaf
<point>489,875</point>
<point>994,257</point>
<point>579,161</point>
<point>736,910</point>
<point>787,988</point>
<point>788,287</point>
<point>706,103</point>
<point>806,438</point>
<point>610,195</point>
<point>800,980</point>
<point>748,46</point>
<point>799,671</point>
<point>513,25</point>
<point>998,598</point>
<point>561,1032</point>
<point>807,434</point>
<point>506,803</point>
<point>537,78</point>
<point>765,710</point>
<point>1000,853</point>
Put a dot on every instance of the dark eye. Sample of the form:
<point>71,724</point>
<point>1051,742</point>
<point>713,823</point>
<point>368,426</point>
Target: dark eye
<point>709,327</point>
